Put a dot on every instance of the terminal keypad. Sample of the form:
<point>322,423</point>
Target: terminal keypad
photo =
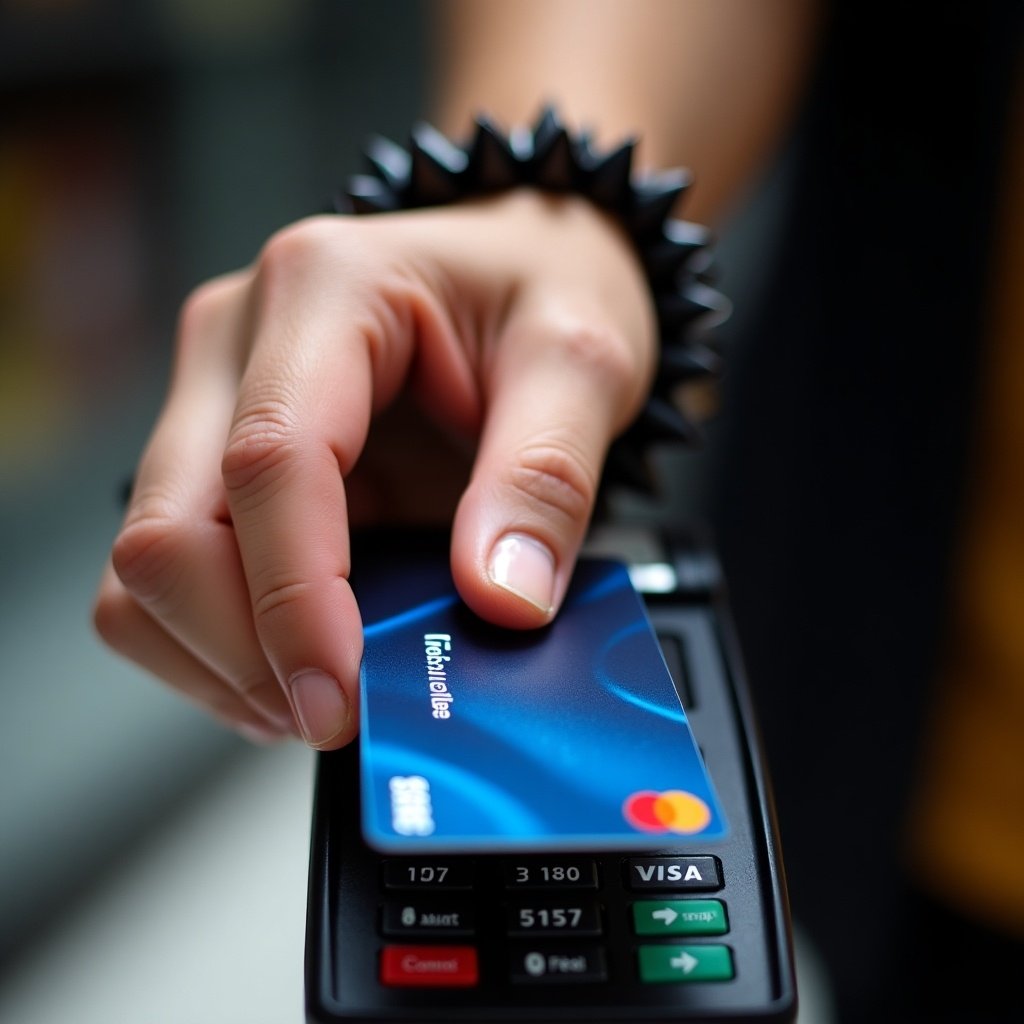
<point>537,920</point>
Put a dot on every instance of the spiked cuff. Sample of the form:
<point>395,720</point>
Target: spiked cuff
<point>435,171</point>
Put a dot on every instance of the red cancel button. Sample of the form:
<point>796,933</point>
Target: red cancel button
<point>445,966</point>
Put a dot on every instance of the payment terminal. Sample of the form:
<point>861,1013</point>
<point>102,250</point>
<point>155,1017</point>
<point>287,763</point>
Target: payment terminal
<point>571,824</point>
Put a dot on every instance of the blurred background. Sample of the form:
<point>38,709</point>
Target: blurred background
<point>145,146</point>
<point>152,866</point>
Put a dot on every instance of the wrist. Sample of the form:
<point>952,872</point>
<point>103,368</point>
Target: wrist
<point>673,254</point>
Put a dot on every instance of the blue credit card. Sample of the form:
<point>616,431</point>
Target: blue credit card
<point>478,739</point>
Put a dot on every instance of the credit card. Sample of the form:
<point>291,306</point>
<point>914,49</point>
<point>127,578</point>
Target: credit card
<point>480,739</point>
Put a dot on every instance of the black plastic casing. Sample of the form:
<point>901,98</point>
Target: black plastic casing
<point>342,936</point>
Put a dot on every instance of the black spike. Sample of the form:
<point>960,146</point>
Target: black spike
<point>554,166</point>
<point>585,157</point>
<point>660,420</point>
<point>548,125</point>
<point>609,177</point>
<point>718,306</point>
<point>694,302</point>
<point>679,363</point>
<point>664,260</point>
<point>439,148</point>
<point>520,141</point>
<point>653,200</point>
<point>702,266</point>
<point>390,162</point>
<point>368,194</point>
<point>437,165</point>
<point>679,242</point>
<point>677,310</point>
<point>686,233</point>
<point>656,182</point>
<point>492,166</point>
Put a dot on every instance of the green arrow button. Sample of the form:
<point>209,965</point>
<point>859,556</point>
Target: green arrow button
<point>679,917</point>
<point>685,963</point>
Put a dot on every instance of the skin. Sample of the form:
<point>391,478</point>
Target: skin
<point>311,389</point>
<point>705,84</point>
<point>233,560</point>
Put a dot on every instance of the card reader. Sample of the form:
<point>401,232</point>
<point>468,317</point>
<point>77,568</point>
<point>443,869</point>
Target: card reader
<point>685,929</point>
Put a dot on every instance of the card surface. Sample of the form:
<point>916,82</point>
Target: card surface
<point>477,739</point>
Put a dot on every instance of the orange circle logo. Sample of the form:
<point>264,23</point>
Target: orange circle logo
<point>672,811</point>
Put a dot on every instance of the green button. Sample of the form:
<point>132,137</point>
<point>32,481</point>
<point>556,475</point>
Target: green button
<point>685,963</point>
<point>679,917</point>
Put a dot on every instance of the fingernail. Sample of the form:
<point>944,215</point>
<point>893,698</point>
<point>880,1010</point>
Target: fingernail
<point>526,567</point>
<point>320,706</point>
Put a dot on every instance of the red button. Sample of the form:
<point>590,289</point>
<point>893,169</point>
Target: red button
<point>417,966</point>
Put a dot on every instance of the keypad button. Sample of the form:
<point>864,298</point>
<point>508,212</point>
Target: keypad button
<point>429,966</point>
<point>664,963</point>
<point>679,917</point>
<point>694,874</point>
<point>555,965</point>
<point>408,918</point>
<point>428,874</point>
<point>566,917</point>
<point>578,873</point>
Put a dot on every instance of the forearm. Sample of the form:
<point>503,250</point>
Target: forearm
<point>709,84</point>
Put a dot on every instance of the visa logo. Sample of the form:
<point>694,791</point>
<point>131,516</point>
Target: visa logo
<point>702,873</point>
<point>668,873</point>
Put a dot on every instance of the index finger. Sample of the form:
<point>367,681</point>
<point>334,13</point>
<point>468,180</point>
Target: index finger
<point>322,354</point>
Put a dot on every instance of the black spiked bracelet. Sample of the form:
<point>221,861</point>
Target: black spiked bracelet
<point>436,171</point>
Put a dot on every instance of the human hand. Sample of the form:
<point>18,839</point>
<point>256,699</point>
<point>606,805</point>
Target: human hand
<point>522,328</point>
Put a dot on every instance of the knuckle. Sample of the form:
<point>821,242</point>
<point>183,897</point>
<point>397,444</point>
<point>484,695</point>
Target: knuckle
<point>277,597</point>
<point>203,304</point>
<point>295,244</point>
<point>601,353</point>
<point>556,479</point>
<point>112,617</point>
<point>204,313</point>
<point>263,442</point>
<point>306,244</point>
<point>148,554</point>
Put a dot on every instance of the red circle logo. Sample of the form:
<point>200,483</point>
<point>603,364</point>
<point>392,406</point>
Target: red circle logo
<point>675,810</point>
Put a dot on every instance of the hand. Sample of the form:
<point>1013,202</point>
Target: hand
<point>522,328</point>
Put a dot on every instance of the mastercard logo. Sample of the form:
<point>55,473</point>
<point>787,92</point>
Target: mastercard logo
<point>672,811</point>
